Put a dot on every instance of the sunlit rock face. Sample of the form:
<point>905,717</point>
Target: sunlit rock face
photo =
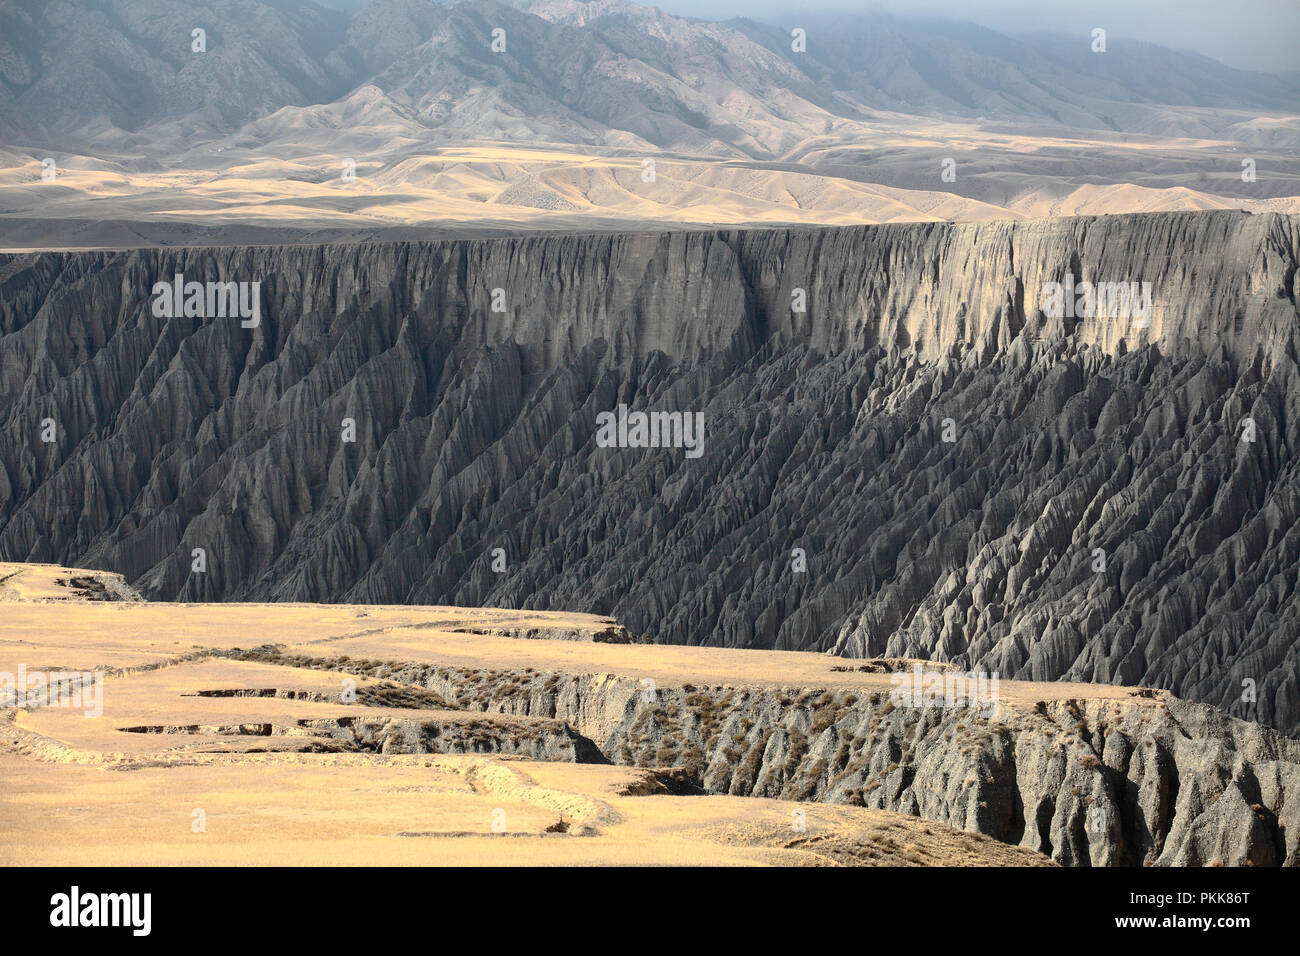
<point>921,462</point>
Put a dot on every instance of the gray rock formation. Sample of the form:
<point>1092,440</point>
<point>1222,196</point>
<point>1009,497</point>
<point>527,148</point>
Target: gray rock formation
<point>1088,782</point>
<point>1100,513</point>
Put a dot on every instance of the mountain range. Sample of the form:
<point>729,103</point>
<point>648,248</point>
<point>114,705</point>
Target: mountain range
<point>832,120</point>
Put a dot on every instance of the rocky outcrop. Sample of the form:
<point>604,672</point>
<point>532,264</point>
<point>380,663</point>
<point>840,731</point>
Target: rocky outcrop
<point>19,582</point>
<point>921,463</point>
<point>613,633</point>
<point>536,740</point>
<point>1087,782</point>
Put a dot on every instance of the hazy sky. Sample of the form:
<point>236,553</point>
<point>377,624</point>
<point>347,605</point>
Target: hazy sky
<point>1249,34</point>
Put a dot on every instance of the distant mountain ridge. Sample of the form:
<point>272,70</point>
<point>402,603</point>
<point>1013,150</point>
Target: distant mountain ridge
<point>482,115</point>
<point>606,71</point>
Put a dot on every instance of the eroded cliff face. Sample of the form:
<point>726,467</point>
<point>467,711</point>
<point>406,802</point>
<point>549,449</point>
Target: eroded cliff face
<point>1087,782</point>
<point>1112,499</point>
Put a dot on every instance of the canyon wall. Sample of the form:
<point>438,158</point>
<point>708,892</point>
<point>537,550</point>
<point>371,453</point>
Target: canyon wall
<point>1087,782</point>
<point>920,462</point>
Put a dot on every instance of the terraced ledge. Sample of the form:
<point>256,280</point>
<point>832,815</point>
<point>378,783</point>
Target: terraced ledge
<point>1147,780</point>
<point>351,737</point>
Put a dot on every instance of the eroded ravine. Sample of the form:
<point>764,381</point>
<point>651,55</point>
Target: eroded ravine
<point>968,479</point>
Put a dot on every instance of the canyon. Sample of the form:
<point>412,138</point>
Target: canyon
<point>920,464</point>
